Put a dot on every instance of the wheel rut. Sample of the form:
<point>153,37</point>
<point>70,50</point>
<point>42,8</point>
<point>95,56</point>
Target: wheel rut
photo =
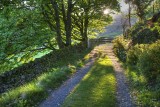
<point>58,96</point>
<point>123,94</point>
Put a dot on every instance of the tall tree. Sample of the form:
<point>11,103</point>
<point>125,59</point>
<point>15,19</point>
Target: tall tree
<point>88,11</point>
<point>25,32</point>
<point>47,24</point>
<point>129,11</point>
<point>140,6</point>
<point>60,12</point>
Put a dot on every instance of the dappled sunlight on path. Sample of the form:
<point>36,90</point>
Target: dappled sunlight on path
<point>58,96</point>
<point>99,83</point>
<point>97,88</point>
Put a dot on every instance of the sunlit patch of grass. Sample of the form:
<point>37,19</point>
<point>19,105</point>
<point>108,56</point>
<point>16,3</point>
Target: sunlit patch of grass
<point>32,93</point>
<point>80,63</point>
<point>35,91</point>
<point>97,89</point>
<point>86,57</point>
<point>25,95</point>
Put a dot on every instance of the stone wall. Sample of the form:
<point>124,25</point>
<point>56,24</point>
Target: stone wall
<point>28,72</point>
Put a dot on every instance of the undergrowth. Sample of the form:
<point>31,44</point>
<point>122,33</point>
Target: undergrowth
<point>142,70</point>
<point>143,94</point>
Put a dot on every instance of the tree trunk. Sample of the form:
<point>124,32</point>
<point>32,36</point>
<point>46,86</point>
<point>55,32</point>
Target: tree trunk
<point>68,24</point>
<point>85,35</point>
<point>58,27</point>
<point>153,7</point>
<point>129,15</point>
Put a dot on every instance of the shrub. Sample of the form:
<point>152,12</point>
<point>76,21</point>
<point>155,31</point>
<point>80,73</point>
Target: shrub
<point>142,34</point>
<point>134,53</point>
<point>149,62</point>
<point>120,48</point>
<point>135,29</point>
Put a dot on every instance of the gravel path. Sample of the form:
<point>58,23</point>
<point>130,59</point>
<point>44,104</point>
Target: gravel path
<point>58,96</point>
<point>123,95</point>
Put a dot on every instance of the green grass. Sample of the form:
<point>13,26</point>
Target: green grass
<point>97,89</point>
<point>144,94</point>
<point>35,91</point>
<point>32,93</point>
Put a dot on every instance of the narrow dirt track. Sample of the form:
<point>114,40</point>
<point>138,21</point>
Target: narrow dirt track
<point>58,96</point>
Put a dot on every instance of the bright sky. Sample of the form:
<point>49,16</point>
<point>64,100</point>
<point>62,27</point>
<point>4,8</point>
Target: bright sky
<point>124,8</point>
<point>106,11</point>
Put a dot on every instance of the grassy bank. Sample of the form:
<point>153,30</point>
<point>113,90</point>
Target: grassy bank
<point>142,70</point>
<point>33,92</point>
<point>97,89</point>
<point>144,94</point>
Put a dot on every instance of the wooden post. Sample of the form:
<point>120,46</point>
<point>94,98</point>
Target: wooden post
<point>89,44</point>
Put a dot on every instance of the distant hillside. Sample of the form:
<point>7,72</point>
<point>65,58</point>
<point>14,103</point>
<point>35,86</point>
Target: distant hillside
<point>115,28</point>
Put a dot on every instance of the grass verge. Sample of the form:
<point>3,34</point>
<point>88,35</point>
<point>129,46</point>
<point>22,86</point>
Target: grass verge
<point>97,89</point>
<point>32,93</point>
<point>145,95</point>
